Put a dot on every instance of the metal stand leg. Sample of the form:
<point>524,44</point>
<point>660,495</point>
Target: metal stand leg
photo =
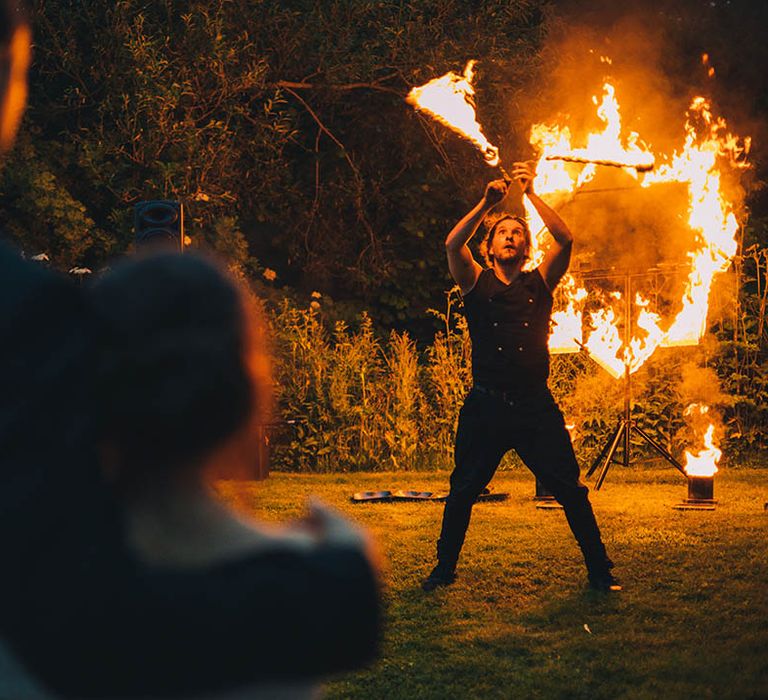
<point>664,453</point>
<point>620,433</point>
<point>599,460</point>
<point>623,431</point>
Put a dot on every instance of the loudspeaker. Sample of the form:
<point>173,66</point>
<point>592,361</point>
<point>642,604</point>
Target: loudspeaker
<point>159,223</point>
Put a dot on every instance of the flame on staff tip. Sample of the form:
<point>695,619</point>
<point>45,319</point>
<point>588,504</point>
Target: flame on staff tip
<point>450,99</point>
<point>704,462</point>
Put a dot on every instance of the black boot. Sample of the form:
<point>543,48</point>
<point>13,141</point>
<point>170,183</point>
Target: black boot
<point>442,575</point>
<point>601,579</point>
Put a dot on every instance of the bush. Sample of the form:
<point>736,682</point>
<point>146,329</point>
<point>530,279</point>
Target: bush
<point>362,402</point>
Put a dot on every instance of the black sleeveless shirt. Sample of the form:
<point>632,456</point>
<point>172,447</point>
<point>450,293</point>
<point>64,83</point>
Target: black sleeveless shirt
<point>509,328</point>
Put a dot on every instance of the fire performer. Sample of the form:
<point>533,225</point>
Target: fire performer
<point>510,406</point>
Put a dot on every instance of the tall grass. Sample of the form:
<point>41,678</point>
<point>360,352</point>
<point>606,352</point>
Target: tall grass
<point>448,377</point>
<point>364,402</point>
<point>358,402</point>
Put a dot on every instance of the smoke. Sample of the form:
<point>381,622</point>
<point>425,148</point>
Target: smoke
<point>616,223</point>
<point>699,391</point>
<point>585,47</point>
<point>652,53</point>
<point>656,50</point>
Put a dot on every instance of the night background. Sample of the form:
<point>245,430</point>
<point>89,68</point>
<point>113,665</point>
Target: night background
<point>283,128</point>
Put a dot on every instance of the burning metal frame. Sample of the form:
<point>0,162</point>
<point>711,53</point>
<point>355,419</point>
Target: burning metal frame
<point>621,435</point>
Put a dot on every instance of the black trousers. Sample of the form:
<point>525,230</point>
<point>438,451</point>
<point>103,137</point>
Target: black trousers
<point>533,426</point>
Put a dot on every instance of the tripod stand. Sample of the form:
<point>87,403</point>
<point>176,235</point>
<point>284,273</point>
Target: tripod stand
<point>621,436</point>
<point>622,432</point>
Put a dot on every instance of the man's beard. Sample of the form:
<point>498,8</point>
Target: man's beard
<point>509,256</point>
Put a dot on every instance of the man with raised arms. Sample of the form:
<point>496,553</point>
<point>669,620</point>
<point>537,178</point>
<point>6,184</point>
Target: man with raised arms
<point>508,312</point>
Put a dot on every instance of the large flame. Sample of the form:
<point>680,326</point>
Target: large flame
<point>450,100</point>
<point>710,213</point>
<point>707,145</point>
<point>566,333</point>
<point>605,147</point>
<point>704,462</point>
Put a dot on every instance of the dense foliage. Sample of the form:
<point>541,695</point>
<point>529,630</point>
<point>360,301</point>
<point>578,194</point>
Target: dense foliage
<point>356,402</point>
<point>281,125</point>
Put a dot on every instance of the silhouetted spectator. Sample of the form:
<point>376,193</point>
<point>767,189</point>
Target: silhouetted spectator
<point>171,595</point>
<point>184,383</point>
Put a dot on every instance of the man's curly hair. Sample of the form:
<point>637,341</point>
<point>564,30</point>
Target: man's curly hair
<point>492,225</point>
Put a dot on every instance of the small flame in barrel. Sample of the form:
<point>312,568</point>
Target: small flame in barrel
<point>704,462</point>
<point>450,99</point>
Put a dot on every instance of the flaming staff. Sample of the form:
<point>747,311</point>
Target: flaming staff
<point>450,100</point>
<point>640,166</point>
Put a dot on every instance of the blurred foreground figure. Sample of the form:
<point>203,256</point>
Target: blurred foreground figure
<point>508,312</point>
<point>141,584</point>
<point>183,383</point>
<point>144,585</point>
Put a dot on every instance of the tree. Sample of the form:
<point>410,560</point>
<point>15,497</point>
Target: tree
<point>287,118</point>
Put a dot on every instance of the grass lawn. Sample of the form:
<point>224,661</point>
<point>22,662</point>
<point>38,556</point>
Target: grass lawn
<point>691,622</point>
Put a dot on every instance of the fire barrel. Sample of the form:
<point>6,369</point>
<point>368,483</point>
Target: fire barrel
<point>701,488</point>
